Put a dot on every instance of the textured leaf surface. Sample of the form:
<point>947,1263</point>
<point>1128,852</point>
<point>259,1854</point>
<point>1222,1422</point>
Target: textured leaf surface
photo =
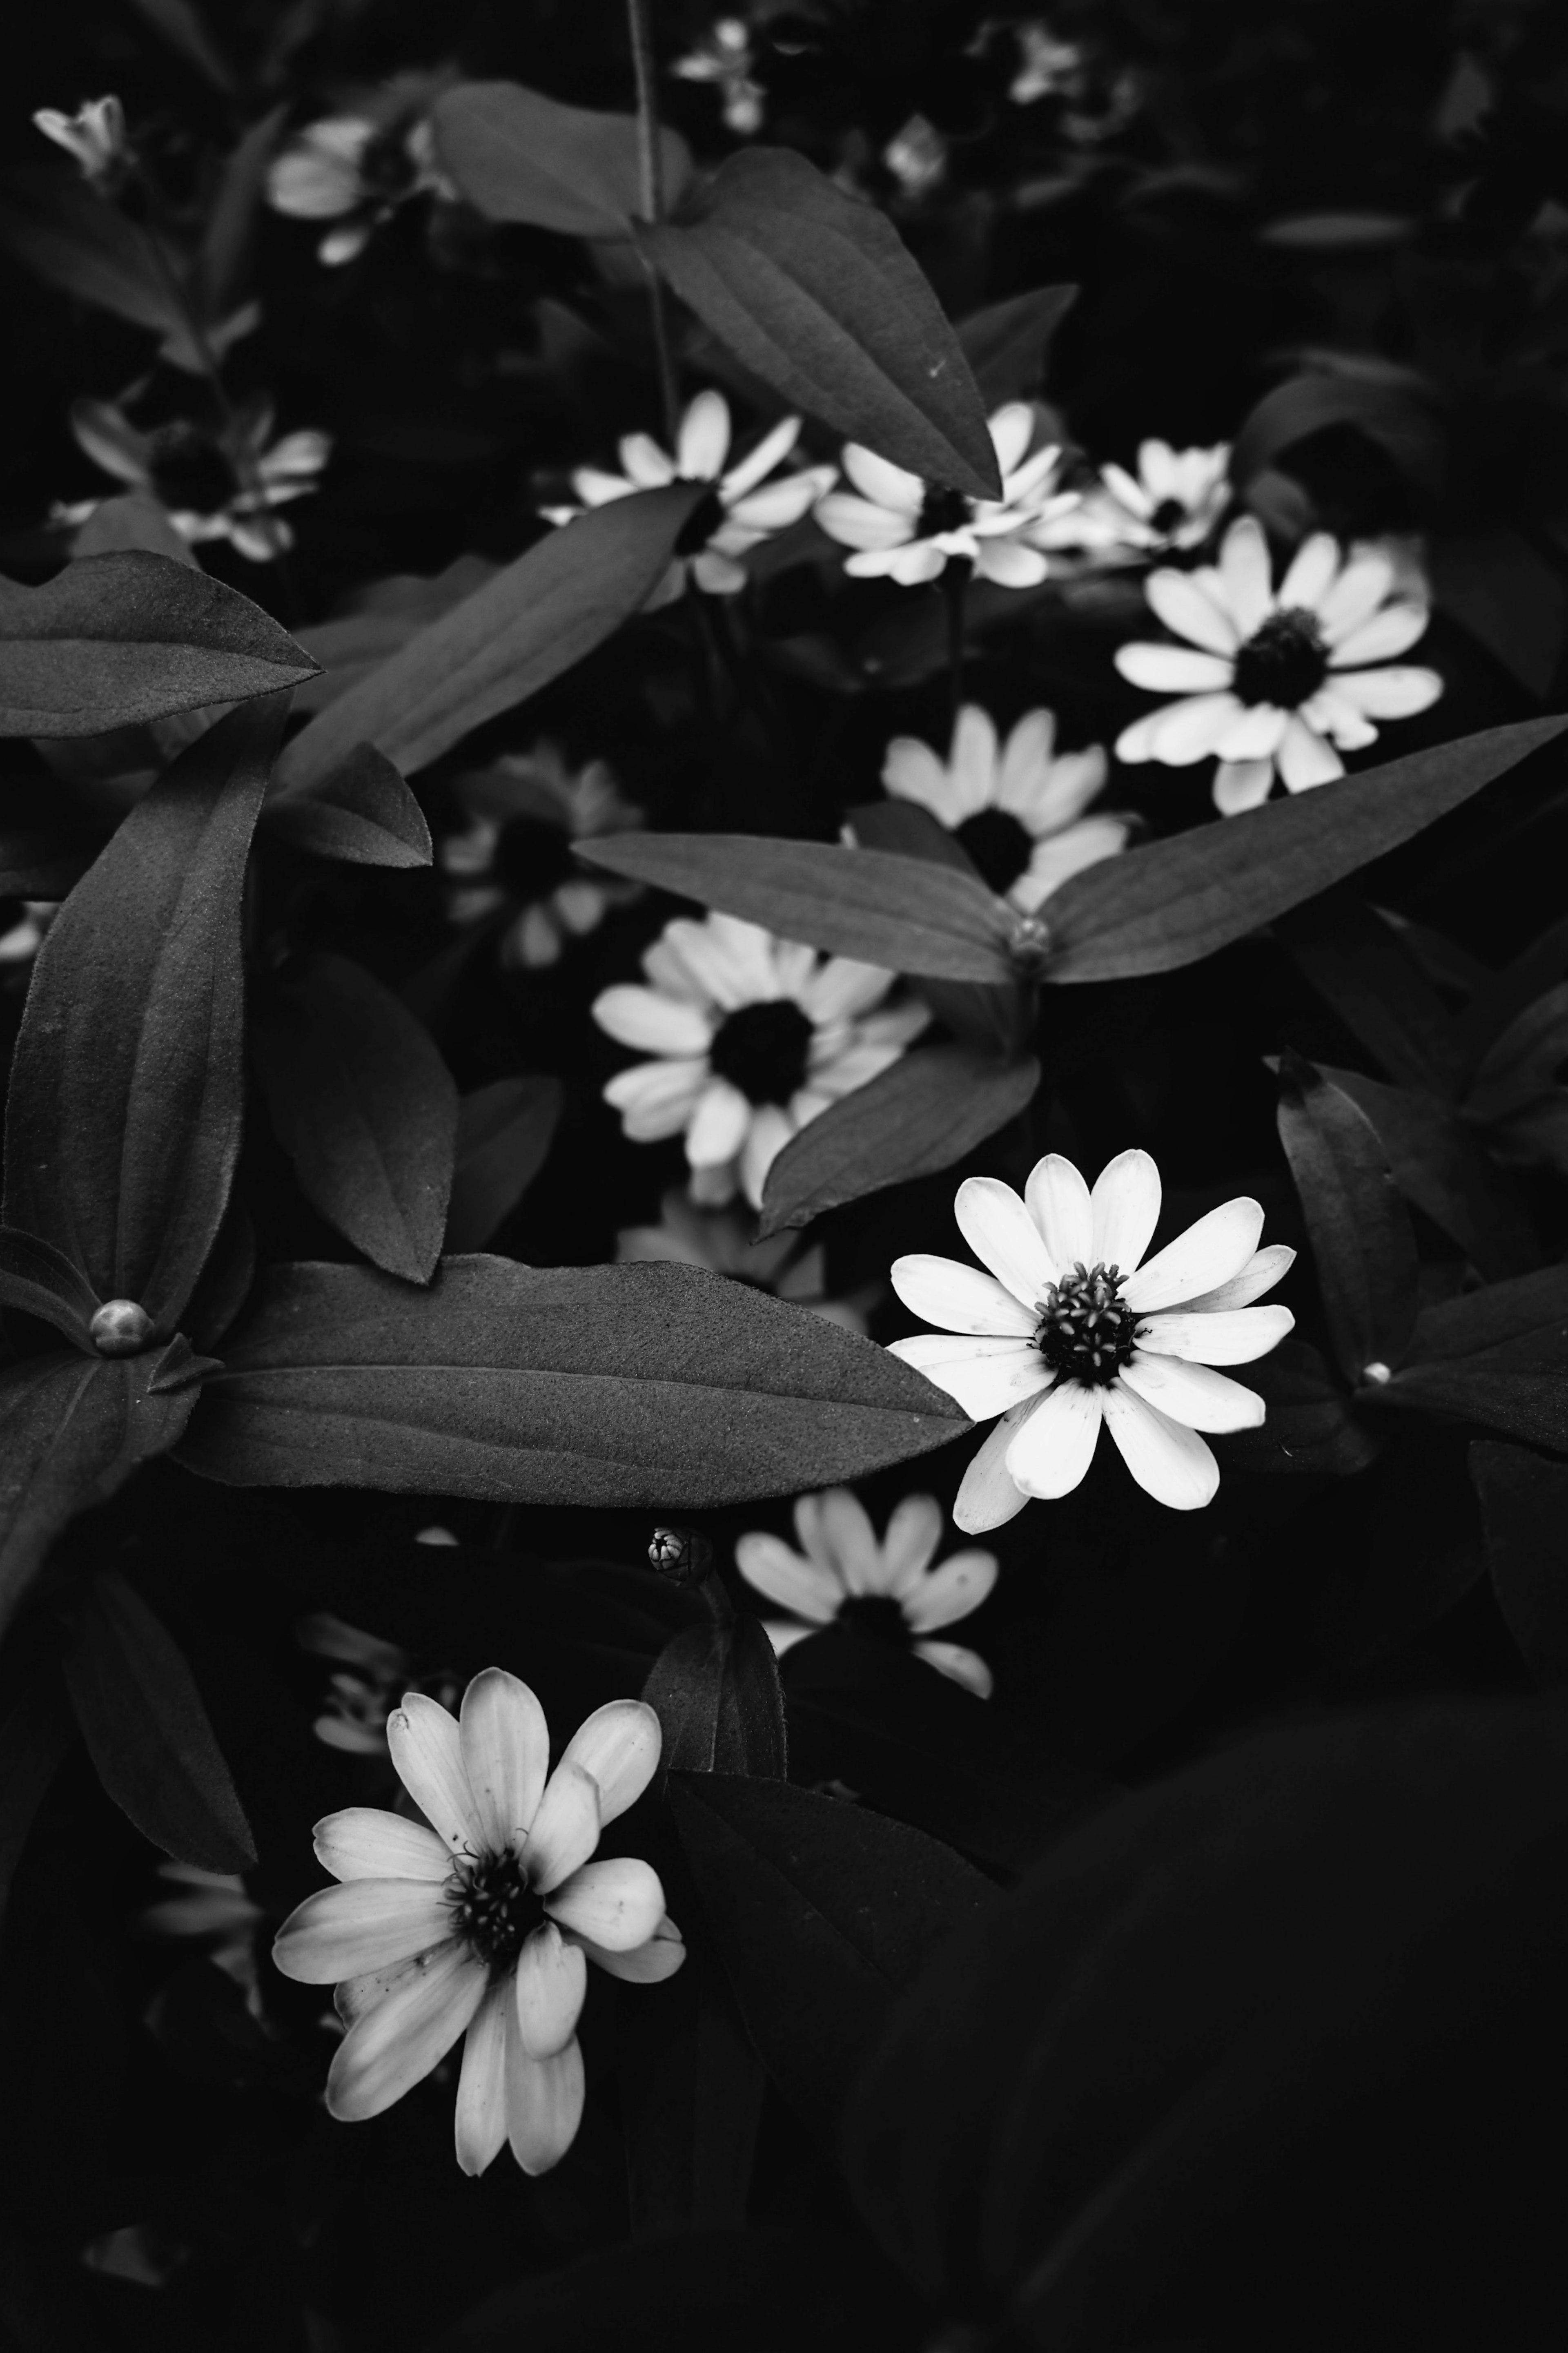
<point>518,156</point>
<point>362,814</point>
<point>504,1133</point>
<point>1438,1164</point>
<point>1363,1247</point>
<point>716,1692</point>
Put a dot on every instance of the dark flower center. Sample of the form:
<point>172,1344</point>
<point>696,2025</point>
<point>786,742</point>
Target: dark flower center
<point>1168,516</point>
<point>189,470</point>
<point>494,1909</point>
<point>1087,1328</point>
<point>1284,662</point>
<point>533,857</point>
<point>942,511</point>
<point>999,846</point>
<point>700,525</point>
<point>387,171</point>
<point>762,1049</point>
<point>876,1617</point>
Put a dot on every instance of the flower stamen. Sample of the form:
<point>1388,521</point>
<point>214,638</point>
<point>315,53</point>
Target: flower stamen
<point>1086,1331</point>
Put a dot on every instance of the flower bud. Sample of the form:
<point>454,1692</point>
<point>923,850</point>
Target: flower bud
<point>681,1555</point>
<point>120,1328</point>
<point>1030,946</point>
<point>94,135</point>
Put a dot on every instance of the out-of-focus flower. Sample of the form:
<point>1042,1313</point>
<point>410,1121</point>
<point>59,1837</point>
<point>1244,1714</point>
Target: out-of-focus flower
<point>482,1925</point>
<point>755,1036</point>
<point>94,136</point>
<point>515,855</point>
<point>213,1907</point>
<point>721,1241</point>
<point>887,1591</point>
<point>724,57</point>
<point>1270,680</point>
<point>369,1676</point>
<point>21,942</point>
<point>916,155</point>
<point>741,510</point>
<point>1173,501</point>
<point>212,485</point>
<point>1071,1328</point>
<point>1048,67</point>
<point>1017,809</point>
<point>355,171</point>
<point>907,529</point>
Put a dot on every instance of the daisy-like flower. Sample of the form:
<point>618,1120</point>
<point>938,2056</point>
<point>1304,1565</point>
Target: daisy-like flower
<point>743,507</point>
<point>212,485</point>
<point>887,1591</point>
<point>1071,1328</point>
<point>516,856</point>
<point>356,172</point>
<point>94,136</point>
<point>1275,679</point>
<point>907,529</point>
<point>754,1037</point>
<point>723,56</point>
<point>1173,501</point>
<point>1017,809</point>
<point>720,1240</point>
<point>484,1922</point>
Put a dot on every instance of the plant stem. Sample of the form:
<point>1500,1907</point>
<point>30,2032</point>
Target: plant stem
<point>650,194</point>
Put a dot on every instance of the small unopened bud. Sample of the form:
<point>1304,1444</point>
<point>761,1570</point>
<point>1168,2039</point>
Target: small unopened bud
<point>120,1328</point>
<point>1376,1373</point>
<point>681,1555</point>
<point>1031,945</point>
<point>94,135</point>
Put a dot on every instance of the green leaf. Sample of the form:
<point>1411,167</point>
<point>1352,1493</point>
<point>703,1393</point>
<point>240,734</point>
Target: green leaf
<point>1492,1388</point>
<point>518,156</point>
<point>500,643</point>
<point>1362,1243</point>
<point>1357,963</point>
<point>1007,343</point>
<point>42,1281</point>
<point>363,813</point>
<point>626,1384</point>
<point>716,1692</point>
<point>127,1087</point>
<point>504,1133</point>
<point>116,639</point>
<point>1309,1424</point>
<point>1438,1164</point>
<point>815,292</point>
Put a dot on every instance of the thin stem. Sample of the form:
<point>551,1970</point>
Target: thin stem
<point>650,197</point>
<point>954,589</point>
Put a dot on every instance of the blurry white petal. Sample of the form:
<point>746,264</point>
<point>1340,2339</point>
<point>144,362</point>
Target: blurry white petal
<point>362,1926</point>
<point>1310,570</point>
<point>1177,599</point>
<point>769,1130</point>
<point>766,1562</point>
<point>1388,694</point>
<point>960,1666</point>
<point>650,1022</point>
<point>1053,861</point>
<point>1187,732</point>
<point>774,445</point>
<point>911,772</point>
<point>843,1534</point>
<point>565,1830</point>
<point>1361,589</point>
<point>879,479</point>
<point>985,1376</point>
<point>1226,1335</point>
<point>972,759</point>
<point>1009,563</point>
<point>1056,1199</point>
<point>362,1842</point>
<point>999,1229</point>
<point>1208,1255</point>
<point>1256,734</point>
<point>719,1126</point>
<point>427,1753</point>
<point>656,1099</point>
<point>1243,569</point>
<point>1169,1460</point>
<point>551,1978</point>
<point>703,441</point>
<point>648,466</point>
<point>1012,429</point>
<point>855,523</point>
<point>950,1592</point>
<point>1242,784</point>
<point>1194,1395</point>
<point>1382,638</point>
<point>958,1298</point>
<point>395,2045</point>
<point>909,1546</point>
<point>1305,760</point>
<point>619,1746</point>
<point>1173,670</point>
<point>616,1902</point>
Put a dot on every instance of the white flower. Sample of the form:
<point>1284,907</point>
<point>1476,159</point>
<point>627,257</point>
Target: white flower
<point>843,1575</point>
<point>515,854</point>
<point>721,1241</point>
<point>741,510</point>
<point>723,56</point>
<point>1071,1328</point>
<point>1173,501</point>
<point>212,485</point>
<point>754,1037</point>
<point>485,1920</point>
<point>916,156</point>
<point>1016,808</point>
<point>94,135</point>
<point>1275,679</point>
<point>20,944</point>
<point>349,169</point>
<point>907,529</point>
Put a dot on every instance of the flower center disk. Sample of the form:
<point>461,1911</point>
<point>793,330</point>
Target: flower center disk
<point>998,845</point>
<point>942,511</point>
<point>494,1909</point>
<point>189,470</point>
<point>1087,1330</point>
<point>705,517</point>
<point>533,857</point>
<point>1284,662</point>
<point>763,1050</point>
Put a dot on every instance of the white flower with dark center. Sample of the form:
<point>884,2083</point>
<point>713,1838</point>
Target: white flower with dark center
<point>515,856</point>
<point>754,1037</point>
<point>212,485</point>
<point>1276,680</point>
<point>741,511</point>
<point>907,529</point>
<point>1016,808</point>
<point>723,56</point>
<point>1071,1328</point>
<point>355,171</point>
<point>484,1922</point>
<point>94,136</point>
<point>721,1241</point>
<point>1173,501</point>
<point>885,1592</point>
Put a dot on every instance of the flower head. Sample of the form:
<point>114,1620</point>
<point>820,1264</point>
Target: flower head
<point>907,529</point>
<point>483,1923</point>
<point>1173,501</point>
<point>723,56</point>
<point>721,1241</point>
<point>515,855</point>
<point>1071,1328</point>
<point>94,135</point>
<point>212,485</point>
<point>741,510</point>
<point>1017,809</point>
<point>888,1591</point>
<point>355,172</point>
<point>1275,679</point>
<point>755,1036</point>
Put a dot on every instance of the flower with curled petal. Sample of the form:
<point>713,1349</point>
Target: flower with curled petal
<point>1073,1327</point>
<point>481,1920</point>
<point>907,529</point>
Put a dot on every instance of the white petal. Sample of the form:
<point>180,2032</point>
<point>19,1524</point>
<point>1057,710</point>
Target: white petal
<point>1187,732</point>
<point>1256,734</point>
<point>506,1755</point>
<point>958,1298</point>
<point>843,989</point>
<point>909,1546</point>
<point>1329,712</point>
<point>1361,589</point>
<point>719,1126</point>
<point>551,1980</point>
<point>650,1022</point>
<point>362,1842</point>
<point>960,1666</point>
<point>835,1529</point>
<point>1179,600</point>
<point>1169,1460</point>
<point>616,1902</point>
<point>1126,1209</point>
<point>703,441</point>
<point>619,1746</point>
<point>973,759</point>
<point>393,2046</point>
<point>910,566</point>
<point>427,1752</point>
<point>362,1926</point>
<point>769,1132</point>
<point>544,2102</point>
<point>1053,1450</point>
<point>767,1563</point>
<point>1136,742</point>
<point>1311,569</point>
<point>1058,1202</point>
<point>1263,1270</point>
<point>1305,759</point>
<point>1208,1255</point>
<point>646,465</point>
<point>777,505</point>
<point>1052,861</point>
<point>1174,669</point>
<point>656,1098</point>
<point>646,1963</point>
<point>565,1830</point>
<point>950,1592</point>
<point>1387,634</point>
<point>1025,767</point>
<point>911,772</point>
<point>1226,1335</point>
<point>774,445</point>
<point>480,2124</point>
<point>1395,693</point>
<point>999,1229</point>
<point>855,523</point>
<point>985,1376</point>
<point>879,479</point>
<point>353,1997</point>
<point>988,1496</point>
<point>1064,790</point>
<point>1012,430</point>
<point>1244,568</point>
<point>1242,784</point>
<point>1009,563</point>
<point>1194,1395</point>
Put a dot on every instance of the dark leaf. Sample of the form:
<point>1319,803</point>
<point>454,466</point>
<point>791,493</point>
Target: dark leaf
<point>651,1385</point>
<point>928,1110</point>
<point>1524,1510</point>
<point>52,221</point>
<point>1171,903</point>
<point>1422,1552</point>
<point>1509,596</point>
<point>1309,1423</point>
<point>127,1086</point>
<point>119,638</point>
<point>42,1281</point>
<point>1499,999</point>
<point>814,291</point>
<point>134,520</point>
<point>1362,1243</point>
<point>363,813</point>
<point>34,1735</point>
<point>691,2086</point>
<point>1496,1388</point>
<point>716,1692</point>
<point>520,156</point>
<point>1007,343</point>
<point>1355,960</point>
<point>364,1107</point>
<point>908,913</point>
<point>504,1132</point>
<point>1395,416</point>
<point>1438,1164</point>
<point>500,643</point>
<point>823,1913</point>
<point>141,1716</point>
<point>46,864</point>
<point>1526,1317</point>
<point>997,1020</point>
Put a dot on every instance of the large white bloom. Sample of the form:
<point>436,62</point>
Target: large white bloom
<point>842,1575</point>
<point>741,510</point>
<point>907,529</point>
<point>754,1037</point>
<point>1275,679</point>
<point>1017,809</point>
<point>1071,1328</point>
<point>483,1924</point>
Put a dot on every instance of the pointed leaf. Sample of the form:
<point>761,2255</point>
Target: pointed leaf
<point>504,1132</point>
<point>1357,963</point>
<point>569,1385</point>
<point>716,1692</point>
<point>1007,343</point>
<point>364,1107</point>
<point>814,290</point>
<point>1362,1242</point>
<point>127,1087</point>
<point>42,1281</point>
<point>65,231</point>
<point>1528,1315</point>
<point>1492,1388</point>
<point>518,156</point>
<point>1438,1164</point>
<point>1309,1423</point>
<point>363,814</point>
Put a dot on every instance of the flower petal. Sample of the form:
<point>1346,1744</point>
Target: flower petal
<point>1208,1255</point>
<point>364,1924</point>
<point>544,2102</point>
<point>911,772</point>
<point>950,1592</point>
<point>480,2124</point>
<point>393,2046</point>
<point>959,1665</point>
<point>1062,855</point>
<point>1233,1335</point>
<point>909,1546</point>
<point>702,443</point>
<point>1012,430</point>
<point>972,760</point>
<point>650,1022</point>
<point>1256,734</point>
<point>1194,1394</point>
<point>958,1298</point>
<point>1053,1449</point>
<point>1310,570</point>
<point>719,1126</point>
<point>656,1099</point>
<point>648,1963</point>
<point>616,1902</point>
<point>767,1563</point>
<point>879,479</point>
<point>1189,731</point>
<point>619,1746</point>
<point>363,1842</point>
<point>565,1830</point>
<point>985,1376</point>
<point>774,446</point>
<point>506,1755</point>
<point>427,1752</point>
<point>1009,563</point>
<point>988,1495</point>
<point>1173,670</point>
<point>1263,1270</point>
<point>1387,634</point>
<point>1179,600</point>
<point>855,523</point>
<point>551,1978</point>
<point>1056,1199</point>
<point>1169,1460</point>
<point>1363,585</point>
<point>1244,568</point>
<point>999,1229</point>
<point>1305,759</point>
<point>1125,1207</point>
<point>770,1130</point>
<point>834,1526</point>
<point>1396,693</point>
<point>1242,784</point>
